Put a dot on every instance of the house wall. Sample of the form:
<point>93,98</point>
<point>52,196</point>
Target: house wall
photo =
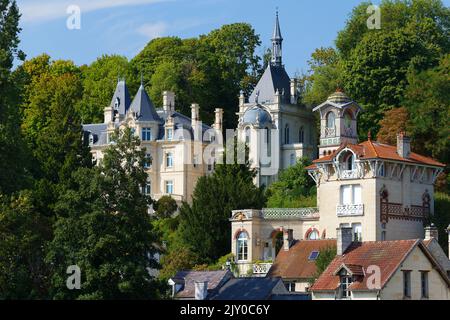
<point>416,262</point>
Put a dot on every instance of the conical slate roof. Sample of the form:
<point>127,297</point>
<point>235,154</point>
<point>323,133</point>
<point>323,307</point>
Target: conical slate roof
<point>274,78</point>
<point>143,106</point>
<point>121,98</point>
<point>276,31</point>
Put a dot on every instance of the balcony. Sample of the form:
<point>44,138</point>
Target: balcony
<point>350,210</point>
<point>261,269</point>
<point>348,174</point>
<point>256,269</point>
<point>289,213</point>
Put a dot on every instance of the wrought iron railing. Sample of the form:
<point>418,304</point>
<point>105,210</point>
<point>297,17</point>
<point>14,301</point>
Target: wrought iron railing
<point>330,132</point>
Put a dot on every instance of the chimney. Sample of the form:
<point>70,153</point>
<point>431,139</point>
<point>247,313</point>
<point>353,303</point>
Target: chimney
<point>195,108</point>
<point>108,114</point>
<point>169,101</point>
<point>218,122</point>
<point>288,237</point>
<point>241,99</point>
<point>403,145</point>
<point>344,239</point>
<point>294,91</point>
<point>201,290</point>
<point>431,232</point>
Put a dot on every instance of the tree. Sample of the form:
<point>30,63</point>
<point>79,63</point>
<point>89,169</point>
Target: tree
<point>427,99</point>
<point>165,207</point>
<point>104,227</point>
<point>322,262</point>
<point>204,226</point>
<point>394,122</point>
<point>413,36</point>
<point>12,153</point>
<point>23,235</point>
<point>293,189</point>
<point>99,83</point>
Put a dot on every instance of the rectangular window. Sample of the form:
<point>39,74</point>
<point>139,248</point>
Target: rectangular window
<point>148,188</point>
<point>169,187</point>
<point>169,134</point>
<point>357,232</point>
<point>407,284</point>
<point>169,160</point>
<point>424,284</point>
<point>351,194</point>
<point>148,161</point>
<point>146,134</point>
<point>346,281</point>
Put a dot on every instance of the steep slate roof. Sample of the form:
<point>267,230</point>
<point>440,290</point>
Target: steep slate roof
<point>144,107</point>
<point>274,78</point>
<point>294,264</point>
<point>250,289</point>
<point>374,150</point>
<point>388,255</point>
<point>122,93</point>
<point>215,280</point>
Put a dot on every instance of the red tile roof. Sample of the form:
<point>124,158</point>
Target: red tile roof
<point>375,150</point>
<point>294,264</point>
<point>388,255</point>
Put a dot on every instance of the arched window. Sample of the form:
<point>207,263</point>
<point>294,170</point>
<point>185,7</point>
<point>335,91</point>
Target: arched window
<point>247,135</point>
<point>301,135</point>
<point>277,242</point>
<point>331,120</point>
<point>242,246</point>
<point>347,120</point>
<point>313,235</point>
<point>350,162</point>
<point>286,134</point>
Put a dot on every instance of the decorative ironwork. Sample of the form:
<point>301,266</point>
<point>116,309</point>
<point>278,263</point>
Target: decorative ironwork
<point>349,174</point>
<point>330,132</point>
<point>349,210</point>
<point>261,269</point>
<point>289,213</point>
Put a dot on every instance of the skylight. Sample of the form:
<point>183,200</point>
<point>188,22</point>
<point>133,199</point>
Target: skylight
<point>313,255</point>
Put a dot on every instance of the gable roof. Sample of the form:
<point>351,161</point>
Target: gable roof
<point>250,289</point>
<point>388,255</point>
<point>143,106</point>
<point>375,150</point>
<point>295,263</point>
<point>215,280</point>
<point>274,78</point>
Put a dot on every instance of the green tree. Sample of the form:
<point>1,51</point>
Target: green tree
<point>99,83</point>
<point>394,121</point>
<point>293,189</point>
<point>204,226</point>
<point>165,207</point>
<point>427,99</point>
<point>322,262</point>
<point>104,227</point>
<point>12,153</point>
<point>23,235</point>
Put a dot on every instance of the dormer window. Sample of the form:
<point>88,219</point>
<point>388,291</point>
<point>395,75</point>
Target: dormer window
<point>331,120</point>
<point>146,134</point>
<point>169,134</point>
<point>345,281</point>
<point>117,103</point>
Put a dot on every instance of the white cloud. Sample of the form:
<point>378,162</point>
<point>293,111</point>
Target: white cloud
<point>38,11</point>
<point>153,30</point>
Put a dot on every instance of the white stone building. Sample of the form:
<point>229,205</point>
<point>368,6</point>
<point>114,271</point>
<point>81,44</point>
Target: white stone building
<point>277,129</point>
<point>381,192</point>
<point>174,143</point>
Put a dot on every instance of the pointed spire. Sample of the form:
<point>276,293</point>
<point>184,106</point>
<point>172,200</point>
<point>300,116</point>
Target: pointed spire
<point>277,41</point>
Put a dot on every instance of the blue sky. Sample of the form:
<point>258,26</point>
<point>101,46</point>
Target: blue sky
<point>125,26</point>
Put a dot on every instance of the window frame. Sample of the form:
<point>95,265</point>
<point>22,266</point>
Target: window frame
<point>424,285</point>
<point>169,160</point>
<point>406,284</point>
<point>167,184</point>
<point>242,246</point>
<point>146,134</point>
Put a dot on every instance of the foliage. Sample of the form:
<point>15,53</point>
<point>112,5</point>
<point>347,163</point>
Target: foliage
<point>165,207</point>
<point>99,82</point>
<point>204,225</point>
<point>427,99</point>
<point>12,153</point>
<point>394,121</point>
<point>176,260</point>
<point>293,189</point>
<point>324,259</point>
<point>23,234</point>
<point>441,217</point>
<point>103,227</point>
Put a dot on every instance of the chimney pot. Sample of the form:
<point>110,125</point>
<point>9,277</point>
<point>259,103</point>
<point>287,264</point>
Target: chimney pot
<point>431,232</point>
<point>201,290</point>
<point>169,101</point>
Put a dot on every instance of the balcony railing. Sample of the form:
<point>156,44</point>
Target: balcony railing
<point>289,213</point>
<point>330,132</point>
<point>261,269</point>
<point>349,210</point>
<point>349,174</point>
